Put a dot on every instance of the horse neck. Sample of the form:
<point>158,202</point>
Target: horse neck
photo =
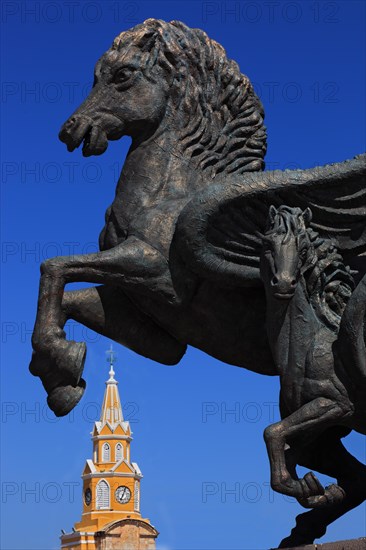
<point>155,171</point>
<point>291,326</point>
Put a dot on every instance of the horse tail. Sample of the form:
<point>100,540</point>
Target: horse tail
<point>351,342</point>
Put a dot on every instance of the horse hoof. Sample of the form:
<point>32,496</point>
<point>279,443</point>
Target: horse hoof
<point>65,361</point>
<point>310,486</point>
<point>70,359</point>
<point>63,399</point>
<point>333,494</point>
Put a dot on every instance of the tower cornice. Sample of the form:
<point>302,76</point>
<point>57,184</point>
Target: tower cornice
<point>110,474</point>
<point>115,437</point>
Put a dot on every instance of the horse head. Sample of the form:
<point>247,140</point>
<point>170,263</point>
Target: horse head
<point>129,94</point>
<point>287,250</point>
<point>161,75</point>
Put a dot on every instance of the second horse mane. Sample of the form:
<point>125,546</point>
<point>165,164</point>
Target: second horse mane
<point>329,282</point>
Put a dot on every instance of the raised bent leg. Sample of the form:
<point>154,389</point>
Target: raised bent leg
<point>108,311</point>
<point>59,363</point>
<point>328,456</point>
<point>133,264</point>
<point>312,417</point>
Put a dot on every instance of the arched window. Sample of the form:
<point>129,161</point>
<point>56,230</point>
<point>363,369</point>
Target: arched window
<point>119,452</point>
<point>106,453</point>
<point>137,497</point>
<point>103,497</point>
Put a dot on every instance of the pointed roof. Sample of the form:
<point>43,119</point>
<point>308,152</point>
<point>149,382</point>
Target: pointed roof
<point>111,409</point>
<point>89,467</point>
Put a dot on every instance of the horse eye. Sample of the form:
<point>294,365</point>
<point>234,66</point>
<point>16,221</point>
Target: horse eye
<point>123,75</point>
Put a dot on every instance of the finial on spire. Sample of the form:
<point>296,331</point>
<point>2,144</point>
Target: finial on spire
<point>111,358</point>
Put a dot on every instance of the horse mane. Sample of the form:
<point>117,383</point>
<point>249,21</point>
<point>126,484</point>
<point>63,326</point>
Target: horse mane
<point>330,282</point>
<point>222,118</point>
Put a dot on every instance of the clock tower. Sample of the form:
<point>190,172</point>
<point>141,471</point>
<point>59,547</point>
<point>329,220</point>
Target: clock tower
<point>111,515</point>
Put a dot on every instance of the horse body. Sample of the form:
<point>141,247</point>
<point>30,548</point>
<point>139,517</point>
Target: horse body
<point>190,112</point>
<point>318,399</point>
<point>157,180</point>
<point>303,354</point>
<point>302,350</point>
<point>219,321</point>
<point>214,321</point>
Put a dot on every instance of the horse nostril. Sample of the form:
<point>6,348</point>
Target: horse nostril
<point>293,282</point>
<point>274,280</point>
<point>69,123</point>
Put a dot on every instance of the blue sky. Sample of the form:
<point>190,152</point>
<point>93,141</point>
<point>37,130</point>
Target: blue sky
<point>206,470</point>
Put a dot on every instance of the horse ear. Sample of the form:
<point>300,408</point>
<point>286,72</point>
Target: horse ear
<point>308,216</point>
<point>272,213</point>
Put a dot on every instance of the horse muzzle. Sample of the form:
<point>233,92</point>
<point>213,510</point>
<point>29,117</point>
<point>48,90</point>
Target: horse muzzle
<point>283,288</point>
<point>78,129</point>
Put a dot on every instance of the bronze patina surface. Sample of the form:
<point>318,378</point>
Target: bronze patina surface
<point>180,255</point>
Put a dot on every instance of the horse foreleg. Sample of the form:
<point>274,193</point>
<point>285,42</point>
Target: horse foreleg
<point>313,417</point>
<point>328,456</point>
<point>133,264</point>
<point>108,311</point>
<point>58,362</point>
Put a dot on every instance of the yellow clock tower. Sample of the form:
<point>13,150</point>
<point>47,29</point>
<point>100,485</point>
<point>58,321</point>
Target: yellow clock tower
<point>111,515</point>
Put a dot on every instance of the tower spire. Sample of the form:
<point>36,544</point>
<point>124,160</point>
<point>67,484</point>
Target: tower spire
<point>111,408</point>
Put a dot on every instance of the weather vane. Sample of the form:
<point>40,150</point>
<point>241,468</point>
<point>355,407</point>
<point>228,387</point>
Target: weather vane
<point>111,359</point>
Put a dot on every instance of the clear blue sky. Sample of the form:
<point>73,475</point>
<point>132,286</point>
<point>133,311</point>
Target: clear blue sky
<point>307,60</point>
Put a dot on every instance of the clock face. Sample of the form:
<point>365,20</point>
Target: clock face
<point>88,496</point>
<point>123,494</point>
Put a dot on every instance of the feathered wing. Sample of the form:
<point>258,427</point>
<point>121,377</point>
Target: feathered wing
<point>217,232</point>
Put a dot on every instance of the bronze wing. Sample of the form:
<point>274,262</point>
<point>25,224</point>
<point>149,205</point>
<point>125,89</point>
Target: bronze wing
<point>217,232</point>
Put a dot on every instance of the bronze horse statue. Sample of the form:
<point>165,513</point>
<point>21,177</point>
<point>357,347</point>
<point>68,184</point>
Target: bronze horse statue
<point>313,320</point>
<point>179,253</point>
